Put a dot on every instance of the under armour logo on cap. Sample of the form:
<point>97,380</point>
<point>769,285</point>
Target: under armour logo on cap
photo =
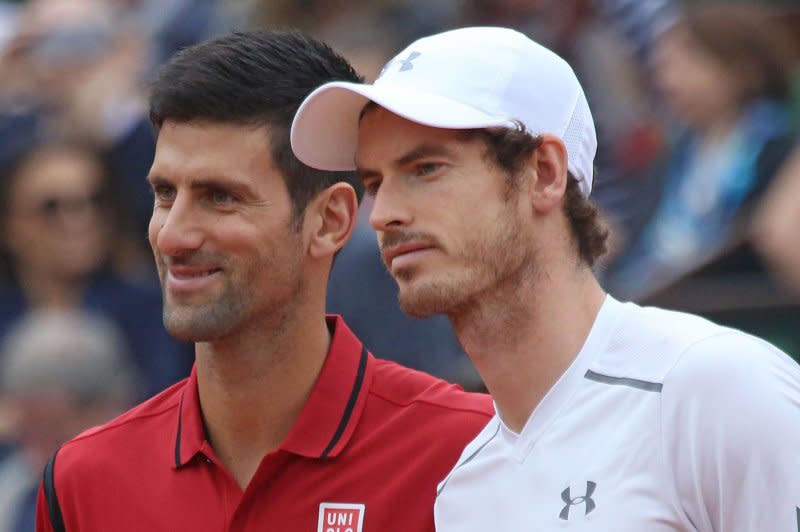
<point>581,499</point>
<point>405,64</point>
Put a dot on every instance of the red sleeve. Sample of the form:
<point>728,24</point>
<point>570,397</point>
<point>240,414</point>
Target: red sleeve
<point>42,515</point>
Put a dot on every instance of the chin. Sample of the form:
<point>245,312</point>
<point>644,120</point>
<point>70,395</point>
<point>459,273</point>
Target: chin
<point>429,300</point>
<point>416,310</point>
<point>185,331</point>
<point>195,326</point>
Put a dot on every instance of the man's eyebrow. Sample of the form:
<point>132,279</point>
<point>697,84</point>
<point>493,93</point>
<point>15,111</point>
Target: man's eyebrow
<point>207,183</point>
<point>220,184</point>
<point>365,173</point>
<point>419,151</point>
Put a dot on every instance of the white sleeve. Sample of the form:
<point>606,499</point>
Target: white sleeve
<point>731,435</point>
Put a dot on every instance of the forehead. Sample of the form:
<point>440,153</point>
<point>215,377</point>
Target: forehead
<point>57,170</point>
<point>678,44</point>
<point>200,148</point>
<point>383,134</point>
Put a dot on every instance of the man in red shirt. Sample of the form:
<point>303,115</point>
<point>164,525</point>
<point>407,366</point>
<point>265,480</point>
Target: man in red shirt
<point>286,422</point>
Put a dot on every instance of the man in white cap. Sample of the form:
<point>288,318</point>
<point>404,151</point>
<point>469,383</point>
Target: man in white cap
<point>478,146</point>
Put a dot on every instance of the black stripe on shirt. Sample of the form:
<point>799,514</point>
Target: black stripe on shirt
<point>351,403</point>
<point>178,437</point>
<point>49,485</point>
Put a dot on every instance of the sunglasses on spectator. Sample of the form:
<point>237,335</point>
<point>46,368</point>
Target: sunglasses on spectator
<point>54,207</point>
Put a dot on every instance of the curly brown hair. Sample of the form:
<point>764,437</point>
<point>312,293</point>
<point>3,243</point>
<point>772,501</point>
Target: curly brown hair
<point>509,149</point>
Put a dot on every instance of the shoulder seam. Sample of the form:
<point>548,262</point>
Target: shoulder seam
<point>682,353</point>
<point>119,423</point>
<point>417,400</point>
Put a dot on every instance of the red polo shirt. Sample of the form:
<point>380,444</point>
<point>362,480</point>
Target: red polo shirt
<point>365,454</point>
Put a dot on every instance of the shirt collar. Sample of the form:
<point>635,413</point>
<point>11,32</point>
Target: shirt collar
<point>190,434</point>
<point>326,422</point>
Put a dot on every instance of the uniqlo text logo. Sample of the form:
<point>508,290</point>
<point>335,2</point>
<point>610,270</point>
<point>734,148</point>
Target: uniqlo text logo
<point>340,517</point>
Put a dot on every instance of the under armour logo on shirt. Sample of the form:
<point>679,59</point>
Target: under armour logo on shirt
<point>580,499</point>
<point>405,64</point>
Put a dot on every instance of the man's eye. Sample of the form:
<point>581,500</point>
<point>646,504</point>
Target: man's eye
<point>371,187</point>
<point>424,169</point>
<point>221,196</point>
<point>164,193</point>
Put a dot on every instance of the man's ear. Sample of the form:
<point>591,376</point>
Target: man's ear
<point>548,167</point>
<point>330,220</point>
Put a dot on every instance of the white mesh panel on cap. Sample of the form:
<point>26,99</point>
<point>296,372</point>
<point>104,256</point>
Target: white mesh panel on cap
<point>581,143</point>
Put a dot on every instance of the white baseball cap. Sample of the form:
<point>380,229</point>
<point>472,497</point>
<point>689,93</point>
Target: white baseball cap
<point>468,78</point>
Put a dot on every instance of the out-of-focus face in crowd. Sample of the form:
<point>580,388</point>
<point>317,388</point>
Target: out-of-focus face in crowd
<point>60,373</point>
<point>57,42</point>
<point>80,60</point>
<point>718,58</point>
<point>697,85</point>
<point>57,219</point>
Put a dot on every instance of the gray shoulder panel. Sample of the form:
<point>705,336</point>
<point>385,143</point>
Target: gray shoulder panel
<point>624,381</point>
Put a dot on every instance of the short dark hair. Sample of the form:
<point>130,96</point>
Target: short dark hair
<point>256,78</point>
<point>509,149</point>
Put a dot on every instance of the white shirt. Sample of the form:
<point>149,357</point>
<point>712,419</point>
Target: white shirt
<point>664,422</point>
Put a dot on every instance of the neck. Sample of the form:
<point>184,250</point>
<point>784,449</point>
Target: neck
<point>522,338</point>
<point>253,386</point>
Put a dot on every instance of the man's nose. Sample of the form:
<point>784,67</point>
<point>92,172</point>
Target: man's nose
<point>177,230</point>
<point>391,206</point>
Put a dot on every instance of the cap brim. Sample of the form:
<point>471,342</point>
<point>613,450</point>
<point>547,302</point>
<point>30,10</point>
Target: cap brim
<point>324,133</point>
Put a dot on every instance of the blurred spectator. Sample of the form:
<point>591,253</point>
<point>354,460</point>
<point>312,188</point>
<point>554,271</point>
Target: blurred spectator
<point>171,25</point>
<point>776,225</point>
<point>61,372</point>
<point>58,193</point>
<point>725,70</point>
<point>367,32</point>
<point>61,239</point>
<point>612,53</point>
<point>78,66</point>
<point>8,18</point>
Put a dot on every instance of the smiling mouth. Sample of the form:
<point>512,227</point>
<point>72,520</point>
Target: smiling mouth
<point>189,280</point>
<point>184,276</point>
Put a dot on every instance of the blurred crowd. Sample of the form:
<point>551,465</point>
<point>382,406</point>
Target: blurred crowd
<point>697,106</point>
